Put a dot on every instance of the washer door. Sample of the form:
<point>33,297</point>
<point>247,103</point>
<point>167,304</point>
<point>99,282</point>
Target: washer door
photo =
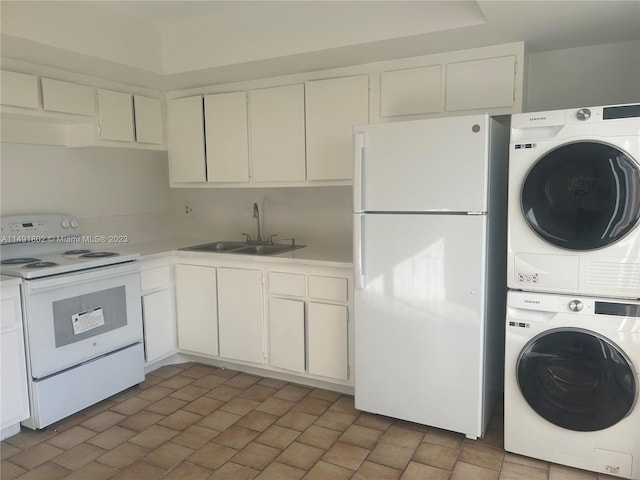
<point>577,379</point>
<point>582,196</point>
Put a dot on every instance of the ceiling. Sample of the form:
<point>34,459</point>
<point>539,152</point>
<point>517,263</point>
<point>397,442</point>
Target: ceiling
<point>180,44</point>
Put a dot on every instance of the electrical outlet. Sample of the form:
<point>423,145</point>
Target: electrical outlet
<point>187,210</point>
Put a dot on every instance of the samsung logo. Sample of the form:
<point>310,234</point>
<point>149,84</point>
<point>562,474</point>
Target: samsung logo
<point>535,302</point>
<point>537,118</point>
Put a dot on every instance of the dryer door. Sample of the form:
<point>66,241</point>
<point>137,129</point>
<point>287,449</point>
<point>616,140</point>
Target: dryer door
<point>582,196</point>
<point>577,379</point>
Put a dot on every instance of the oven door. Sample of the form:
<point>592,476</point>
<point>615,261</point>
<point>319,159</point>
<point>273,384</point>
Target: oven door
<point>76,317</point>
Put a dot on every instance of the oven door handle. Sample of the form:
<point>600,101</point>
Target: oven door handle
<point>78,277</point>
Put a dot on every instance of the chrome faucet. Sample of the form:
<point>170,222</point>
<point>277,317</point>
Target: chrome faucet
<point>256,215</point>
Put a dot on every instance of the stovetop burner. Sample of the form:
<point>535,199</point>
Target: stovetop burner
<point>99,254</point>
<point>76,252</point>
<point>40,265</point>
<point>19,261</point>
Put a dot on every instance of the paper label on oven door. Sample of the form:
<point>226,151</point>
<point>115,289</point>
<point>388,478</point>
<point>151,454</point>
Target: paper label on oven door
<point>85,321</point>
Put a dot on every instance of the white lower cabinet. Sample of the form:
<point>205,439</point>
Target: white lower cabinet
<point>158,312</point>
<point>287,334</point>
<point>14,405</point>
<point>328,344</point>
<point>197,309</point>
<point>240,314</point>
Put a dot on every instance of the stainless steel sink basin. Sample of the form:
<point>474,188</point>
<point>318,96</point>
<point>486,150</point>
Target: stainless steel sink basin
<point>243,248</point>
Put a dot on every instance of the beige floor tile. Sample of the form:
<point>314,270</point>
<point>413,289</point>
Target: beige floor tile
<point>277,437</point>
<point>335,420</point>
<point>233,471</point>
<point>155,393</point>
<point>258,393</point>
<point>256,456</point>
<point>103,420</point>
<point>236,437</point>
<point>280,471</point>
<point>209,381</point>
<point>374,471</point>
<point>297,420</point>
<point>466,471</point>
<point>93,471</point>
<point>240,406</point>
<point>531,462</point>
<point>188,471</point>
<point>71,437</point>
<point>301,455</point>
<point>166,371</point>
<point>189,393</point>
<point>275,406</point>
<point>131,405</point>
<point>402,436</point>
<point>28,438</point>
<point>444,438</point>
<point>168,455</point>
<point>419,471</point>
<point>292,393</point>
<point>517,471</point>
<point>374,421</point>
<point>325,471</point>
<point>361,436</point>
<point>199,371</point>
<point>153,436</point>
<point>224,393</point>
<point>219,420</point>
<point>46,471</point>
<point>203,406</point>
<point>478,454</point>
<point>561,472</point>
<point>36,455</point>
<point>112,437</point>
<point>312,406</point>
<point>139,471</point>
<point>258,421</point>
<point>7,450</point>
<point>243,380</point>
<point>9,471</point>
<point>195,436</point>
<point>180,420</point>
<point>78,456</point>
<point>393,456</point>
<point>226,372</point>
<point>319,437</point>
<point>344,404</point>
<point>123,455</point>
<point>323,394</point>
<point>176,382</point>
<point>211,456</point>
<point>436,455</point>
<point>346,455</point>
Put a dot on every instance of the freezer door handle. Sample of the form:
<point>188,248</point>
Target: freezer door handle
<point>358,163</point>
<point>358,274</point>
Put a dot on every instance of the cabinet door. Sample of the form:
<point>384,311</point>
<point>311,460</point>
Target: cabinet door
<point>333,107</point>
<point>115,112</point>
<point>58,96</point>
<point>227,137</point>
<point>277,133</point>
<point>328,340</point>
<point>14,406</point>
<point>485,83</point>
<point>18,89</point>
<point>196,307</point>
<point>148,119</point>
<point>240,312</point>
<point>286,333</point>
<point>159,325</point>
<point>185,127</point>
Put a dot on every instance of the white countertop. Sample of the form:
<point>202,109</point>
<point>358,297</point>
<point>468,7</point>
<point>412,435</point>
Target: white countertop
<point>8,281</point>
<point>323,256</point>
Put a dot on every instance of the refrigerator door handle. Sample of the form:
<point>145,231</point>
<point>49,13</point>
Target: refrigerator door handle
<point>358,163</point>
<point>358,274</point>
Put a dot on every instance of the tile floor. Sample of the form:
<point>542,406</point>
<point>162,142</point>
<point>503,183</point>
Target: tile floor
<point>193,422</point>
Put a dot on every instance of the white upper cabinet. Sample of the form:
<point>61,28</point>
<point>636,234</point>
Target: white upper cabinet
<point>485,83</point>
<point>65,97</point>
<point>148,119</point>
<point>227,137</point>
<point>333,107</point>
<point>411,91</point>
<point>185,124</point>
<point>115,116</point>
<point>18,89</point>
<point>277,134</point>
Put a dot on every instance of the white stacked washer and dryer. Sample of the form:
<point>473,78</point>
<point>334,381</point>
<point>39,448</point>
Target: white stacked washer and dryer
<point>572,353</point>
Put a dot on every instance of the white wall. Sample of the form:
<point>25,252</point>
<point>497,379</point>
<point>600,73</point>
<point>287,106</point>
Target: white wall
<point>313,215</point>
<point>587,76</point>
<point>111,191</point>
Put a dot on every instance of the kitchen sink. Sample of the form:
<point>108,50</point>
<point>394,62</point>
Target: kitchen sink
<point>243,248</point>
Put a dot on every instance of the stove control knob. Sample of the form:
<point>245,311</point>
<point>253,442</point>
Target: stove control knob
<point>583,114</point>
<point>64,223</point>
<point>575,305</point>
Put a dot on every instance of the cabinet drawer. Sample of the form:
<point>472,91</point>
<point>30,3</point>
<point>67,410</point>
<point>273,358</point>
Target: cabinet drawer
<point>155,278</point>
<point>287,284</point>
<point>328,288</point>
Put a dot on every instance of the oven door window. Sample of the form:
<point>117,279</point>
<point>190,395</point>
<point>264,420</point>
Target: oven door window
<point>577,380</point>
<point>582,196</point>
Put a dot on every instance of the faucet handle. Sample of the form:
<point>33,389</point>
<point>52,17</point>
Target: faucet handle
<point>271,238</point>
<point>247,237</point>
<point>293,241</point>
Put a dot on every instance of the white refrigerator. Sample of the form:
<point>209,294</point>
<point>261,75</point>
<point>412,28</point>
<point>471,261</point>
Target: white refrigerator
<point>429,259</point>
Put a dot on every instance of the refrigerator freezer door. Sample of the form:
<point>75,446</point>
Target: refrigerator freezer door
<point>435,165</point>
<point>419,319</point>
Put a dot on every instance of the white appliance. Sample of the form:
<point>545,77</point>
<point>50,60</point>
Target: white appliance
<point>571,381</point>
<point>82,315</point>
<point>429,243</point>
<point>574,201</point>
